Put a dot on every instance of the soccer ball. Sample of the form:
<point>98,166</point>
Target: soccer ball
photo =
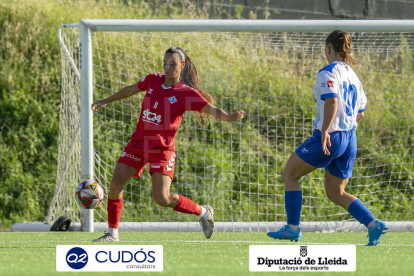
<point>89,194</point>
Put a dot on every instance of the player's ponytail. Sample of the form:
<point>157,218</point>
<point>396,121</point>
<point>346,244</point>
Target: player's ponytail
<point>189,76</point>
<point>341,43</point>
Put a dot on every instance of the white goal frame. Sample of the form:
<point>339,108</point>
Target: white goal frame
<point>85,75</point>
<point>87,26</point>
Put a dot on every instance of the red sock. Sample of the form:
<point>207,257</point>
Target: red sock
<point>187,206</point>
<point>114,212</point>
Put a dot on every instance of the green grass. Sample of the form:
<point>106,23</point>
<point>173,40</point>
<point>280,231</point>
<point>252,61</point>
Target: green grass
<point>190,254</point>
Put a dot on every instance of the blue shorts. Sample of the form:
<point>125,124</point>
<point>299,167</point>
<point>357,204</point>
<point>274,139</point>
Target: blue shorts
<point>343,151</point>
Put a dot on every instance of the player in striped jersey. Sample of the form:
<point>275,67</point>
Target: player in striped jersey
<point>341,103</point>
<point>167,97</point>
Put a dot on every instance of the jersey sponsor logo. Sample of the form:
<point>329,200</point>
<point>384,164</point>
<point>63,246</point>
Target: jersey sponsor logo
<point>172,99</point>
<point>323,84</point>
<point>155,166</point>
<point>150,117</point>
<point>150,91</point>
<point>330,84</point>
<point>137,159</point>
<point>170,165</point>
<point>304,150</point>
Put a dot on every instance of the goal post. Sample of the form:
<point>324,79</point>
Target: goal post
<point>86,98</point>
<point>265,67</point>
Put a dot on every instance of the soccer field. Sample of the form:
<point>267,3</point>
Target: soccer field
<point>191,254</point>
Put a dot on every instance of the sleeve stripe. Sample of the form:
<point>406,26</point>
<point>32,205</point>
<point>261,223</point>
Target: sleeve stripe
<point>329,95</point>
<point>362,110</point>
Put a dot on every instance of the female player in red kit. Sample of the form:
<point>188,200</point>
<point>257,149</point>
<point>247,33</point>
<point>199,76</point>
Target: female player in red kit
<point>167,97</point>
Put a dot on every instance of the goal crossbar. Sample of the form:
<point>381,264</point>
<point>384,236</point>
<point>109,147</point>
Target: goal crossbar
<point>176,25</point>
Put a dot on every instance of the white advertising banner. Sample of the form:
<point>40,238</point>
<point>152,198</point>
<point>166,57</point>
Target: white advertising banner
<point>132,258</point>
<point>303,258</point>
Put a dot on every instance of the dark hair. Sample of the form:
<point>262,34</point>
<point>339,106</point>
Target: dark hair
<point>341,43</point>
<point>189,76</point>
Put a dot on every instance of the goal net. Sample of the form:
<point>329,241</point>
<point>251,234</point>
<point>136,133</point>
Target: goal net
<point>237,167</point>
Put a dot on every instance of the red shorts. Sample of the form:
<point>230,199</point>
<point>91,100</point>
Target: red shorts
<point>160,161</point>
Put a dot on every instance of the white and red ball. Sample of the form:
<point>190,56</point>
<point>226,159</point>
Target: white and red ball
<point>89,194</point>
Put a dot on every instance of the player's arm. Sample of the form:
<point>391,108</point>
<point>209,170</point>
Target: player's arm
<point>362,103</point>
<point>329,88</point>
<point>121,94</point>
<point>222,115</point>
<point>329,112</point>
<point>359,116</point>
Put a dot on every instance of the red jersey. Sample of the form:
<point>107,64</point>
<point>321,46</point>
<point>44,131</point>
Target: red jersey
<point>162,111</point>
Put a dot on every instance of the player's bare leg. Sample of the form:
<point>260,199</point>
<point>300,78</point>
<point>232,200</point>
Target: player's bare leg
<point>335,190</point>
<point>161,184</point>
<point>294,170</point>
<point>120,177</point>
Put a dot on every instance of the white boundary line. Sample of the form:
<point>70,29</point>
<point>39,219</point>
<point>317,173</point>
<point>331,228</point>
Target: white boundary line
<point>209,241</point>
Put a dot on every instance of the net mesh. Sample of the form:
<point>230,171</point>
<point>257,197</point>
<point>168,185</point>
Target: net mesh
<point>237,167</point>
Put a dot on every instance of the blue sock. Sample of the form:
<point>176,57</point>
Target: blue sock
<point>293,205</point>
<point>360,212</point>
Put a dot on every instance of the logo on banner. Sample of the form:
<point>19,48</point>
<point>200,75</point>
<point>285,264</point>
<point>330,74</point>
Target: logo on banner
<point>303,251</point>
<point>77,258</point>
<point>309,258</point>
<point>109,258</point>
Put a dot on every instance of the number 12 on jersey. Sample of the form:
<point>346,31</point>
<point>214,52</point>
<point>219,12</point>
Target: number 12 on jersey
<point>350,103</point>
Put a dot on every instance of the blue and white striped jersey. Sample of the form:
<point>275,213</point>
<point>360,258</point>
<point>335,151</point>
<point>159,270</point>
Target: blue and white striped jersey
<point>339,80</point>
